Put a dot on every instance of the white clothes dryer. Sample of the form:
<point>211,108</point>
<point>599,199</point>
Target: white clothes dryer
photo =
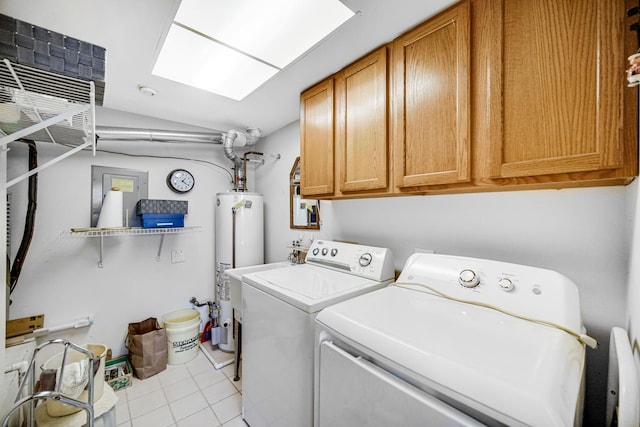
<point>455,341</point>
<point>623,384</point>
<point>278,311</point>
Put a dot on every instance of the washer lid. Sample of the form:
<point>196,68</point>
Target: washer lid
<point>308,287</point>
<point>512,370</point>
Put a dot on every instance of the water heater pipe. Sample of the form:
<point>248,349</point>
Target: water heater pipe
<point>235,138</point>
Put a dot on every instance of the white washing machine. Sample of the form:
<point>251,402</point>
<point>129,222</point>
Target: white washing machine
<point>278,311</point>
<point>455,341</point>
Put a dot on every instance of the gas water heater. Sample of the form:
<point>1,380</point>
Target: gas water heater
<point>239,218</point>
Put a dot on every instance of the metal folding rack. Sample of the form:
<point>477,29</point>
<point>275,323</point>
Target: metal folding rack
<point>29,381</point>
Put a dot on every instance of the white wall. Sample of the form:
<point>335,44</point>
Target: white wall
<point>581,233</point>
<point>272,180</point>
<point>61,277</point>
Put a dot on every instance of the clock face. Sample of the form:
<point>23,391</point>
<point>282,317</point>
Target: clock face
<point>180,181</point>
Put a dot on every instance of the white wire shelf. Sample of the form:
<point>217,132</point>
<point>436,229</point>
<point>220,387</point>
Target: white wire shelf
<point>125,231</point>
<point>45,107</point>
<point>132,231</point>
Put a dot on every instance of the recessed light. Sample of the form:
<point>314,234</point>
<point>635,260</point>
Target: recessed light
<point>146,90</point>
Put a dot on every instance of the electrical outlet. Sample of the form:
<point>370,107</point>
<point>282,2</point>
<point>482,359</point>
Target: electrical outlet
<point>177,256</point>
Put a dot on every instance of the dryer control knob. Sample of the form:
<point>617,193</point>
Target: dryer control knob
<point>468,278</point>
<point>365,259</point>
<point>315,251</point>
<point>505,284</point>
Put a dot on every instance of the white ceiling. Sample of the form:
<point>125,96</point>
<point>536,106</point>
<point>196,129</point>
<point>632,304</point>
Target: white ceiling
<point>132,32</point>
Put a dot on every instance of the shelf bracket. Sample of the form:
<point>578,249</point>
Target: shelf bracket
<point>160,248</point>
<point>101,251</point>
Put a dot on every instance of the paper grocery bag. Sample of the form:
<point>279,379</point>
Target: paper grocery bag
<point>147,344</point>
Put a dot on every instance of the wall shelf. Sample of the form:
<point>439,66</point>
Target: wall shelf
<point>126,231</point>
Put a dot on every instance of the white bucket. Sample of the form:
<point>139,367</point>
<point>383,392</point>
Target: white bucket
<point>183,337</point>
<point>59,409</point>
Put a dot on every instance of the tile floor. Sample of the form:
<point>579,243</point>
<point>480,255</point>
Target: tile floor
<point>193,394</point>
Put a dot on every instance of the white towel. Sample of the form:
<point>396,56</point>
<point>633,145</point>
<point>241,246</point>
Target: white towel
<point>75,379</point>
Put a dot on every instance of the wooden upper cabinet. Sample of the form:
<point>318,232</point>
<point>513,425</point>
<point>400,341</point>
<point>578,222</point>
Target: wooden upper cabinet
<point>487,95</point>
<point>430,101</point>
<point>556,83</point>
<point>317,140</point>
<point>361,124</point>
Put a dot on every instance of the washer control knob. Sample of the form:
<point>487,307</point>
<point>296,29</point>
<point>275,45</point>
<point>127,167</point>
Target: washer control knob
<point>505,284</point>
<point>334,252</point>
<point>365,259</point>
<point>468,278</point>
<point>315,251</point>
<point>325,251</point>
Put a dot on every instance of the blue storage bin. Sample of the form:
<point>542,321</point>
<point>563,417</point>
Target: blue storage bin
<point>162,220</point>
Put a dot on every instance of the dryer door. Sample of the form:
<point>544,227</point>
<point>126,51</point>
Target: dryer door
<point>354,392</point>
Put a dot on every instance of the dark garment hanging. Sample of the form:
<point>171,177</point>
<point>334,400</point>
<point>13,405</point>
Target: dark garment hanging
<point>30,219</point>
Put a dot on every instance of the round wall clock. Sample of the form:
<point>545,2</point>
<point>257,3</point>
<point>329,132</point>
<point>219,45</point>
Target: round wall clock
<point>180,181</point>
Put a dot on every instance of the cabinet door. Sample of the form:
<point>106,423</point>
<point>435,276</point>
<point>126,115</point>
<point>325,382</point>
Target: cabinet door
<point>361,124</point>
<point>430,101</point>
<point>316,143</point>
<point>556,86</point>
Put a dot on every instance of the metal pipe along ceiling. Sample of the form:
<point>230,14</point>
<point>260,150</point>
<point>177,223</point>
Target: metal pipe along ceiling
<point>229,139</point>
<point>156,135</point>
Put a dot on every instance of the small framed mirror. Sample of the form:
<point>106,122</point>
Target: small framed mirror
<point>303,213</point>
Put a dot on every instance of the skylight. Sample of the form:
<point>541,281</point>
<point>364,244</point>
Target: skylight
<point>232,47</point>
